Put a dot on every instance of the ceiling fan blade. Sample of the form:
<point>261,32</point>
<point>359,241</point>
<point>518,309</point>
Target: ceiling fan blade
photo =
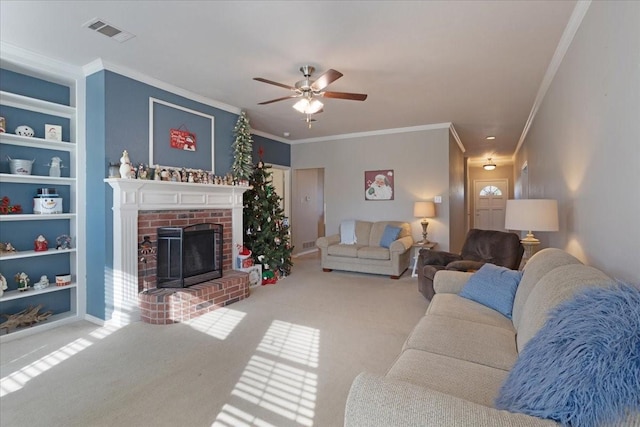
<point>345,95</point>
<point>325,80</point>
<point>271,82</point>
<point>278,99</point>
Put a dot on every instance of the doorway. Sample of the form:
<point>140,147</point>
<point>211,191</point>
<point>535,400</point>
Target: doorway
<point>490,199</point>
<point>280,179</point>
<point>308,221</point>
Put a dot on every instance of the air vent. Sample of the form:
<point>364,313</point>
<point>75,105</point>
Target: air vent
<point>307,245</point>
<point>101,26</point>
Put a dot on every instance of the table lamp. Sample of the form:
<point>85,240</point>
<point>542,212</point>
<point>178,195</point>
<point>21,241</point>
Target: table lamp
<point>424,210</point>
<point>531,215</point>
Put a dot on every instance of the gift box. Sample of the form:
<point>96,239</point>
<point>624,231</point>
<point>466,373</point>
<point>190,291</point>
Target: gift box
<point>244,259</point>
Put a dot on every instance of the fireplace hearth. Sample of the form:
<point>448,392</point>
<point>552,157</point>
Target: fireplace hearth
<point>189,255</point>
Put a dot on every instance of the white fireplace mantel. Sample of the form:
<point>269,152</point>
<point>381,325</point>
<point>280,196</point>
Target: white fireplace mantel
<point>133,195</point>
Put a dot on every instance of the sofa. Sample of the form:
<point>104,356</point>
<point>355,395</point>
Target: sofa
<point>455,361</point>
<point>366,255</point>
<point>480,246</point>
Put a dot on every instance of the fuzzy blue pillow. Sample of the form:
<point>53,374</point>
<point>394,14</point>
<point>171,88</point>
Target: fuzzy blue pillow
<point>493,286</point>
<point>389,235</point>
<point>582,368</point>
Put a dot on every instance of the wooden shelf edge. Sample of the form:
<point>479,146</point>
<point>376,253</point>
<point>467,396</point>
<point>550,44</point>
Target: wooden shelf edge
<point>35,217</point>
<point>16,294</point>
<point>52,322</point>
<point>33,142</point>
<point>29,254</point>
<point>11,99</point>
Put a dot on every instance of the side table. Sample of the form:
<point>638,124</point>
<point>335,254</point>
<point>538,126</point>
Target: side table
<point>416,254</point>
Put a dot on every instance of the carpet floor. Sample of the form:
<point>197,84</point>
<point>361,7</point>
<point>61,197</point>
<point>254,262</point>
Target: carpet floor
<point>285,356</point>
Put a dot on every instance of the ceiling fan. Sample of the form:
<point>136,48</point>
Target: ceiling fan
<point>309,90</point>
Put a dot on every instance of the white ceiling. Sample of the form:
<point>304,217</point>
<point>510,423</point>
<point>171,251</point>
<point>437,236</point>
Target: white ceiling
<point>477,64</point>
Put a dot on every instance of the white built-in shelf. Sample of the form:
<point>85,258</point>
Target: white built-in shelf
<point>50,323</point>
<point>32,104</point>
<point>35,217</point>
<point>16,294</point>
<point>72,260</point>
<point>35,179</point>
<point>29,254</point>
<point>29,141</point>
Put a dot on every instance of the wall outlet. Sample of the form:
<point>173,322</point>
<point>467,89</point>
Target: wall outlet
<point>437,199</point>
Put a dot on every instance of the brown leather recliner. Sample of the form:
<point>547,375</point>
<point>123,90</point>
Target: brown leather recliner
<point>480,246</point>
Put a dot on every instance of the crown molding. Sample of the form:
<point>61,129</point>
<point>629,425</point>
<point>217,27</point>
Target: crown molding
<point>21,60</point>
<point>374,133</point>
<point>579,11</point>
<point>99,65</point>
<point>453,131</point>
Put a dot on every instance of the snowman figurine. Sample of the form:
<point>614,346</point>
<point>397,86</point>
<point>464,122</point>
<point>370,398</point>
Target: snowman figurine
<point>54,166</point>
<point>125,166</point>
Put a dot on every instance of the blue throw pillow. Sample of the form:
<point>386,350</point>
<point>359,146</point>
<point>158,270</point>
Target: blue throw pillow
<point>582,368</point>
<point>494,287</point>
<point>389,235</point>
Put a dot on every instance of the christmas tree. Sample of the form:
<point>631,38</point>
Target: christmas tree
<point>242,149</point>
<point>266,231</point>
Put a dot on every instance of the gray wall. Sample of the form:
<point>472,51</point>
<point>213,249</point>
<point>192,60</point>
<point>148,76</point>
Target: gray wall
<point>583,148</point>
<point>420,160</point>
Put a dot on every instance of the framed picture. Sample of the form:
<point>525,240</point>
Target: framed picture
<point>53,132</point>
<point>378,185</point>
<point>172,136</point>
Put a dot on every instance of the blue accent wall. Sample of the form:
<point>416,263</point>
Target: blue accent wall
<point>274,152</point>
<point>34,88</point>
<point>99,242</point>
<point>117,120</point>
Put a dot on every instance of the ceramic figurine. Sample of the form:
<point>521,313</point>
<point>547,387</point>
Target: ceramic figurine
<point>7,248</point>
<point>125,165</point>
<point>63,242</point>
<point>54,166</point>
<point>3,284</point>
<point>40,244</point>
<point>23,281</point>
<point>43,283</point>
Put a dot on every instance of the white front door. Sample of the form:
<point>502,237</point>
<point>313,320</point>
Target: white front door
<point>490,200</point>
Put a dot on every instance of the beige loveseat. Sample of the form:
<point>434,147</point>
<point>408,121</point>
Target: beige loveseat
<point>366,255</point>
<point>454,362</point>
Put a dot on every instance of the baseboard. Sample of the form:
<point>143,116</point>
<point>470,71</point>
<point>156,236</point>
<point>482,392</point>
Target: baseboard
<point>310,251</point>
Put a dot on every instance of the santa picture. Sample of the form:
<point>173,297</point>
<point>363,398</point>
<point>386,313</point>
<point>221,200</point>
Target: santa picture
<point>379,185</point>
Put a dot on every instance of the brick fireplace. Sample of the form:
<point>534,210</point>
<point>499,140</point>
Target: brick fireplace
<point>139,208</point>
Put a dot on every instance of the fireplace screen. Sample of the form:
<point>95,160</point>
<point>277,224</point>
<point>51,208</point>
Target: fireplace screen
<point>189,255</point>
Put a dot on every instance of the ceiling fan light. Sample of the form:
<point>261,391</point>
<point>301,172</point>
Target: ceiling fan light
<point>306,106</point>
<point>302,105</point>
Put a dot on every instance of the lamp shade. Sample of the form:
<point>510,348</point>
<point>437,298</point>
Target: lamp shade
<point>424,209</point>
<point>531,215</point>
